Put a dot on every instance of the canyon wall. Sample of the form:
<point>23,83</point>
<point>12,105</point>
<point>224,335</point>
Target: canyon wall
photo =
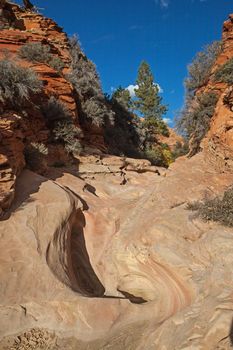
<point>219,140</point>
<point>102,253</point>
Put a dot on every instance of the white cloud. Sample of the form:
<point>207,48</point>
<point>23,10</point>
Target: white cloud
<point>167,120</point>
<point>160,89</point>
<point>132,88</point>
<point>162,3</point>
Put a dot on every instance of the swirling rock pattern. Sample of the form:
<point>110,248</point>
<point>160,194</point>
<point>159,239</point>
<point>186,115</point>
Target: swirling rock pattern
<point>94,264</point>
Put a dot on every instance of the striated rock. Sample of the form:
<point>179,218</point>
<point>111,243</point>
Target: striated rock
<point>146,262</point>
<point>20,128</point>
<point>11,158</point>
<point>218,144</point>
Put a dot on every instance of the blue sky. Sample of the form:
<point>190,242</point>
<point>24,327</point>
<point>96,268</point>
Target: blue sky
<point>118,34</point>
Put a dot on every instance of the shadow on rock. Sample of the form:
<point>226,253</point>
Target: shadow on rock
<point>68,258</point>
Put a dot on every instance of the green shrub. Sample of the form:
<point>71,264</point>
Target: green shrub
<point>127,135</point>
<point>162,128</point>
<point>97,111</point>
<point>56,63</point>
<point>37,52</point>
<point>62,126</point>
<point>86,82</point>
<point>83,75</point>
<point>67,133</point>
<point>194,119</point>
<point>157,126</point>
<point>35,154</point>
<point>155,156</point>
<point>122,97</point>
<point>217,209</point>
<point>200,69</point>
<point>17,83</point>
<point>180,150</point>
<point>224,73</point>
<point>54,110</point>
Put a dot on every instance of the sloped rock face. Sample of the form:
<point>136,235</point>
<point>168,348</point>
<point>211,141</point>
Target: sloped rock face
<point>93,262</point>
<point>18,128</point>
<point>218,145</point>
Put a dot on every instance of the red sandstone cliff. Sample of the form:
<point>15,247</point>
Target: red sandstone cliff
<point>218,144</point>
<point>18,28</point>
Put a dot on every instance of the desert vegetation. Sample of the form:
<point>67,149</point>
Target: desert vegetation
<point>37,52</point>
<point>193,120</point>
<point>219,209</point>
<point>68,134</point>
<point>86,82</point>
<point>224,73</point>
<point>54,110</point>
<point>35,154</point>
<point>17,83</point>
<point>63,128</point>
<point>180,149</point>
<point>148,102</point>
<point>200,68</point>
<point>138,120</point>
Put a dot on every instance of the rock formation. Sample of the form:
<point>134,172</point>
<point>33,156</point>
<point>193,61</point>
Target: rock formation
<point>219,141</point>
<point>102,253</point>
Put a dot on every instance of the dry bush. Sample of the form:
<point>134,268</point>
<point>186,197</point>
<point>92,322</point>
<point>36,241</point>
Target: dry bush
<point>224,73</point>
<point>55,110</point>
<point>219,209</point>
<point>35,154</point>
<point>17,83</point>
<point>86,82</point>
<point>37,52</point>
<point>194,119</point>
<point>200,68</point>
<point>67,133</point>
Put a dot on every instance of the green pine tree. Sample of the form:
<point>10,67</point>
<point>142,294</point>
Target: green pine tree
<point>148,102</point>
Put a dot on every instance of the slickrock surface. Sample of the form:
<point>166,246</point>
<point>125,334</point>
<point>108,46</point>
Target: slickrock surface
<point>88,262</point>
<point>103,254</point>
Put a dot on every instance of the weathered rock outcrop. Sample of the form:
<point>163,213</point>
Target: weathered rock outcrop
<point>18,128</point>
<point>218,145</point>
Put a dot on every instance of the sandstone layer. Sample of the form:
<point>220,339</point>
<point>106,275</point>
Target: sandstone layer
<point>105,256</point>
